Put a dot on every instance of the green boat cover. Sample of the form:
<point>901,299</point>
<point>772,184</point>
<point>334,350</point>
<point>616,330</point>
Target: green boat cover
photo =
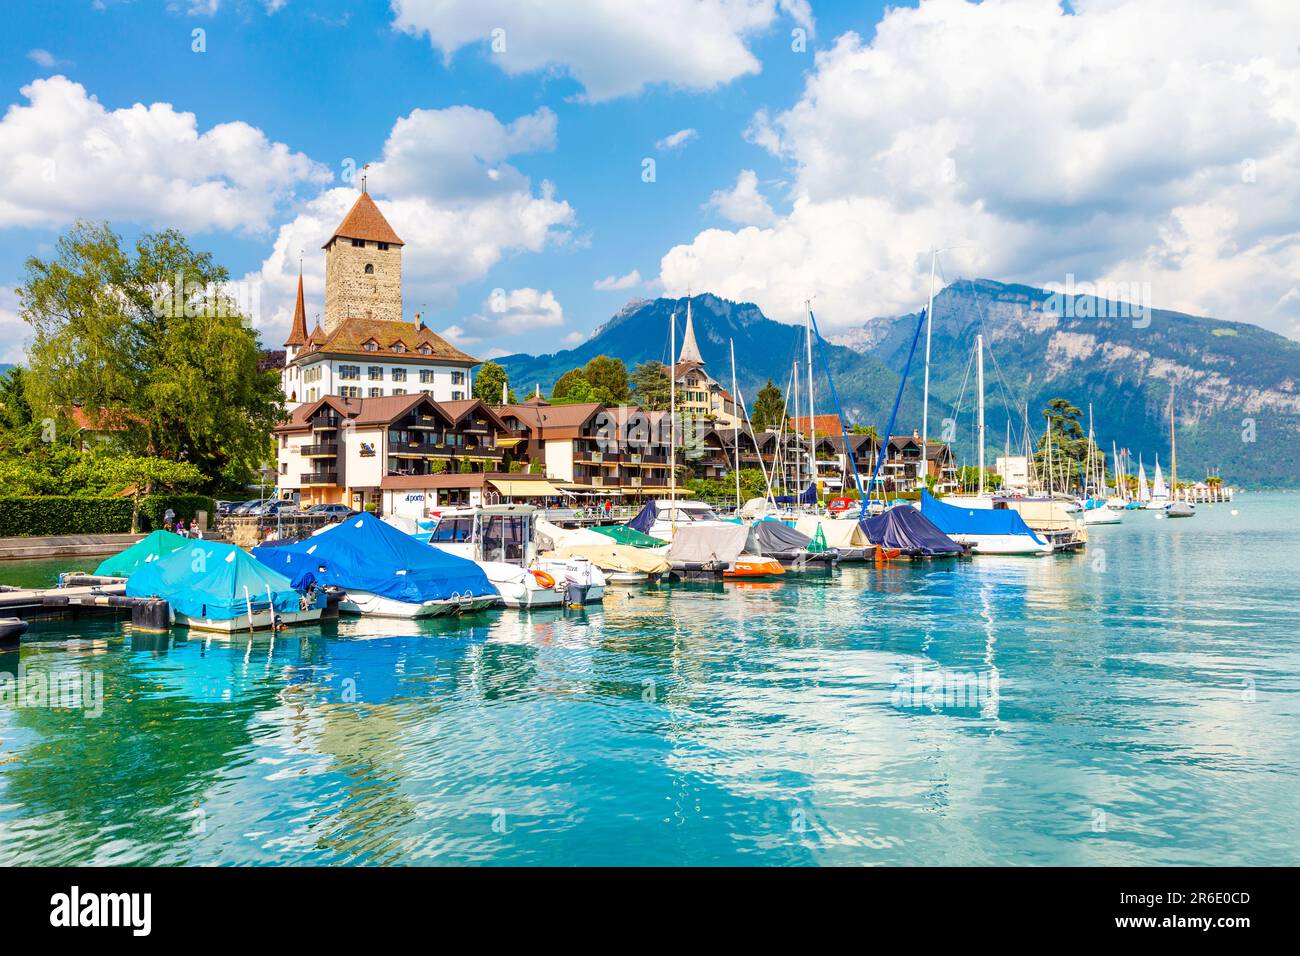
<point>148,549</point>
<point>625,535</point>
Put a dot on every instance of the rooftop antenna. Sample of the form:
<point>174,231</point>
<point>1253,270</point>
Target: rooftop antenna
<point>364,177</point>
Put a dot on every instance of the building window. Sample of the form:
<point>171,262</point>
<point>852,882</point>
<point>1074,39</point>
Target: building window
<point>371,346</point>
<point>349,372</point>
<point>284,468</point>
<point>370,269</point>
<point>350,391</point>
<point>399,391</point>
<point>457,396</point>
<point>376,373</point>
<point>458,378</point>
<point>426,375</point>
<point>399,375</point>
<point>399,347</point>
<point>376,392</point>
<point>425,350</point>
<point>358,243</point>
<point>383,246</point>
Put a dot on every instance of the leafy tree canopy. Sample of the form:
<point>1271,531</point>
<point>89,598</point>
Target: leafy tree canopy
<point>650,386</point>
<point>769,408</point>
<point>488,382</point>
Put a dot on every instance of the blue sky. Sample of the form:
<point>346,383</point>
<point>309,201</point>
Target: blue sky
<point>1007,132</point>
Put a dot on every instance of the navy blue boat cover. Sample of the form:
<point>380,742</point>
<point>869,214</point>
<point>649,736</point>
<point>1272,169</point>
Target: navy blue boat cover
<point>370,555</point>
<point>905,528</point>
<point>953,519</point>
<point>809,497</point>
<point>645,518</point>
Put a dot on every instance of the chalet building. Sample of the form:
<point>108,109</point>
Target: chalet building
<point>401,454</point>
<point>588,450</point>
<point>699,395</point>
<point>366,349</point>
<point>905,467</point>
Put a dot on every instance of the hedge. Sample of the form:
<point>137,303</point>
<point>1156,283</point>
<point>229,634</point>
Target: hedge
<point>73,514</point>
<point>63,514</point>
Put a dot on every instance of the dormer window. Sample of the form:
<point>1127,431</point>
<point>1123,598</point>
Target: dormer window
<point>371,346</point>
<point>425,350</point>
<point>370,268</point>
<point>398,347</point>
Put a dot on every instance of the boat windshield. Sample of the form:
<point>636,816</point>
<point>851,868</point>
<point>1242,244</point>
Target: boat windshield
<point>453,530</point>
<point>682,515</point>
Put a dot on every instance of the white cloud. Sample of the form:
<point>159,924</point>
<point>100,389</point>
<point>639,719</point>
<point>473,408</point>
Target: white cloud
<point>743,203</point>
<point>43,58</point>
<point>676,140</point>
<point>443,184</point>
<point>64,156</point>
<point>612,48</point>
<point>575,338</point>
<point>1108,143</point>
<point>618,283</point>
<point>506,314</point>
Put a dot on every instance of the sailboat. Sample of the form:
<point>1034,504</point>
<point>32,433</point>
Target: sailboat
<point>1144,490</point>
<point>1094,507</point>
<point>1177,509</point>
<point>1159,491</point>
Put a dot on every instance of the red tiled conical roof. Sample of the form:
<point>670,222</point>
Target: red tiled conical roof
<point>365,221</point>
<point>298,330</point>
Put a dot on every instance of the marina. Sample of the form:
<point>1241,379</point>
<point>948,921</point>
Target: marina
<point>980,711</point>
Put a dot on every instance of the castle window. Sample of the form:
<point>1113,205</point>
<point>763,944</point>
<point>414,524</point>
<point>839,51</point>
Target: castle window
<point>383,246</point>
<point>376,392</point>
<point>350,391</point>
<point>425,350</point>
<point>399,347</point>
<point>358,243</point>
<point>426,375</point>
<point>399,375</point>
<point>370,269</point>
<point>349,371</point>
<point>399,391</point>
<point>458,378</point>
<point>376,373</point>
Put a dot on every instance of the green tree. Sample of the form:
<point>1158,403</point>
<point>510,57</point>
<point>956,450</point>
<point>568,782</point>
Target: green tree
<point>579,390</point>
<point>151,337</point>
<point>488,382</point>
<point>566,383</point>
<point>1069,444</point>
<point>15,408</point>
<point>608,376</point>
<point>769,408</point>
<point>650,386</point>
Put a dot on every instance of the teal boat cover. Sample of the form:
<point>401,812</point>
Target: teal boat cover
<point>213,580</point>
<point>368,554</point>
<point>623,534</point>
<point>953,519</point>
<point>148,549</point>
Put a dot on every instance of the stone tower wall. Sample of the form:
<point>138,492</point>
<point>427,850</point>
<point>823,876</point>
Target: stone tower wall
<point>350,291</point>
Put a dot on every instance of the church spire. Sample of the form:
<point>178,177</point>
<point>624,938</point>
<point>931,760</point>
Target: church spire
<point>690,351</point>
<point>298,329</point>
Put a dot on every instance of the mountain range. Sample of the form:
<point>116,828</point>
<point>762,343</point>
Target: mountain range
<point>1236,387</point>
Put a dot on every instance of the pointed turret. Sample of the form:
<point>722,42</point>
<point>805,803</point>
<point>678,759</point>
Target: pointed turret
<point>690,351</point>
<point>365,221</point>
<point>298,328</point>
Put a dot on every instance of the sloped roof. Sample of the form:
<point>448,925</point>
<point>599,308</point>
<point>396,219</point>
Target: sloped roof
<point>824,424</point>
<point>365,221</point>
<point>547,417</point>
<point>351,336</point>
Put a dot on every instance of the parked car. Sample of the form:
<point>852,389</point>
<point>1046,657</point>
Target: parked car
<point>334,511</point>
<point>225,507</point>
<point>273,507</point>
<point>246,507</point>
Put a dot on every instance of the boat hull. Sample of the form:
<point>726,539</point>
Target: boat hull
<point>1003,544</point>
<point>369,604</point>
<point>261,621</point>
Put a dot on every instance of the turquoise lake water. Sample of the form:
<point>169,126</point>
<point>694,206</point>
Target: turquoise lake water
<point>1137,703</point>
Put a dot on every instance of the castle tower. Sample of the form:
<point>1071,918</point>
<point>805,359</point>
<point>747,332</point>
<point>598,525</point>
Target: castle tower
<point>290,375</point>
<point>363,267</point>
<point>690,351</point>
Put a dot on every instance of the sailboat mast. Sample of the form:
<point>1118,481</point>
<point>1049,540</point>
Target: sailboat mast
<point>796,433</point>
<point>979,375</point>
<point>925,394</point>
<point>735,421</point>
<point>1173,450</point>
<point>672,415</point>
<point>1087,471</point>
<point>1050,487</point>
<point>812,421</point>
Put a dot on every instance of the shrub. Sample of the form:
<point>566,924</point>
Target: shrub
<point>153,507</point>
<point>64,514</point>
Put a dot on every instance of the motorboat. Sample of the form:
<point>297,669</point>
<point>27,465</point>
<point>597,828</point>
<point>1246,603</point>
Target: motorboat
<point>845,535</point>
<point>502,540</point>
<point>984,528</point>
<point>621,564</point>
<point>792,549</point>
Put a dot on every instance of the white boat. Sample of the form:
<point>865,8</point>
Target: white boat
<point>355,601</point>
<point>1101,514</point>
<point>259,620</point>
<point>1159,500</point>
<point>1012,535</point>
<point>501,539</point>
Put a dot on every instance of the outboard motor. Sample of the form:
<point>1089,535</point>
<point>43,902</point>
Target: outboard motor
<point>575,594</point>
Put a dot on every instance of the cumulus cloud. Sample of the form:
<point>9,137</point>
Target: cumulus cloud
<point>14,332</point>
<point>1150,141</point>
<point>676,140</point>
<point>743,203</point>
<point>618,283</point>
<point>505,314</point>
<point>611,48</point>
<point>64,156</point>
<point>443,184</point>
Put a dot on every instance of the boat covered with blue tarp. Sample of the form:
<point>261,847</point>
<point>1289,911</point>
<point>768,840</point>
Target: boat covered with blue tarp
<point>150,548</point>
<point>986,529</point>
<point>383,570</point>
<point>903,528</point>
<point>221,587</point>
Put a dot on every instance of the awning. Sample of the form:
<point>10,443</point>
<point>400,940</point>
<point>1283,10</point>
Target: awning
<point>525,489</point>
<point>508,442</point>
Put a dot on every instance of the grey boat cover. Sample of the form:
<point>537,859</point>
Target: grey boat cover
<point>705,543</point>
<point>775,537</point>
